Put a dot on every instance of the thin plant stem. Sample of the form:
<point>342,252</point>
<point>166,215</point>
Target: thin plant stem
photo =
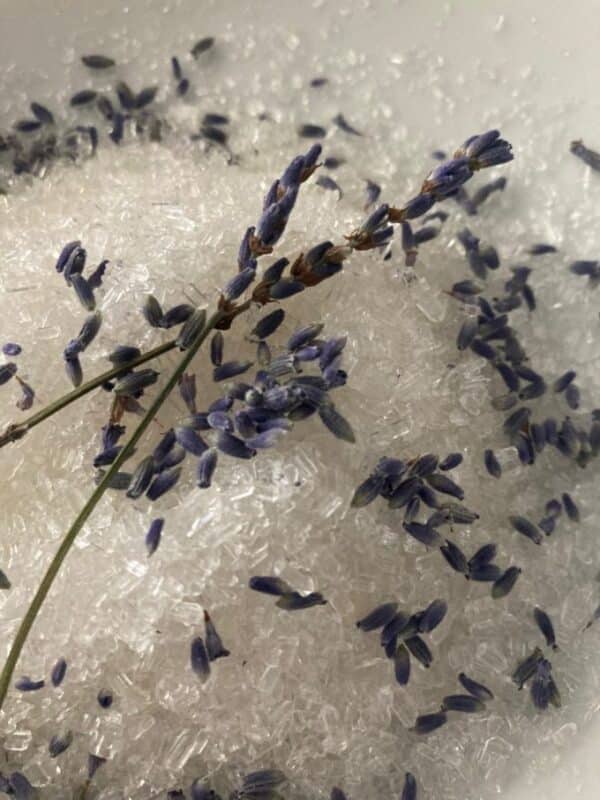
<point>16,430</point>
<point>86,511</point>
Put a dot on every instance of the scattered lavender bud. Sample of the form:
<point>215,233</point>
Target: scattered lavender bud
<point>402,665</point>
<point>262,781</point>
<point>232,446</point>
<point>11,349</point>
<point>526,528</point>
<point>141,477</point>
<point>73,369</point>
<point>419,650</point>
<point>26,684</point>
<point>84,292</point>
<point>27,125</point>
<point>378,617</point>
<point>83,98</point>
<point>7,371</point>
<point>187,390</point>
<point>442,483</point>
<point>163,483</point>
<point>105,698</point>
<point>206,467</point>
<point>547,524</point>
<point>134,382</point>
<point>220,421</point>
<point>492,464</point>
<point>526,668</point>
<point>66,253</point>
<point>153,535</point>
<point>433,616</point>
<point>570,507</point>
<point>396,625</point>
<point>327,182</point>
<point>465,703</point>
<point>482,194</point>
<point>588,156</point>
<point>59,670</point>
<point>427,723</point>
<point>43,114</point>
<point>505,583</point>
<point>118,129</point>
<point>294,601</point>
<point>515,421</point>
<point>21,787</point>
<point>572,396</point>
<point>367,491</point>
<point>545,625</point>
<point>560,384</point>
<point>485,573</point>
<point>202,45</point>
<point>94,763</point>
<point>152,311</point>
<point>123,354</point>
<point>337,794</point>
<point>409,790</point>
<point>89,330</point>
<point>199,659</point>
<point>508,375</point>
<point>483,556</point>
<point>543,688</point>
<point>284,288</point>
<point>97,62</point>
<point>344,125</point>
<point>372,191</point>
<point>214,645</point>
<point>230,369</point>
<point>541,249</point>
<point>58,744</point>
<point>266,326</point>
<point>336,423</point>
<point>4,581</point>
<point>455,557</point>
<point>475,689</point>
<point>483,349</point>
<point>176,315</point>
<point>268,584</point>
<point>310,131</point>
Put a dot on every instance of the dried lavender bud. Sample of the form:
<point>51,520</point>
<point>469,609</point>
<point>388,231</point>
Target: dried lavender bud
<point>336,423</point>
<point>455,557</point>
<point>26,684</point>
<point>560,384</point>
<point>294,601</point>
<point>123,354</point>
<point>199,659</point>
<point>475,689</point>
<point>526,528</point>
<point>482,194</point>
<point>261,781</point>
<point>547,524</point>
<point>515,421</point>
<point>483,556</point>
<point>269,324</point>
<point>419,650</point>
<point>105,698</point>
<point>427,723</point>
<point>73,369</point>
<point>588,156</point>
<point>97,62</point>
<point>402,665</point>
<point>4,581</point>
<point>206,467</point>
<point>232,446</point>
<point>7,371</point>
<point>268,584</point>
<point>84,292</point>
<point>214,645</point>
<point>140,480</point>
<point>59,670</point>
<point>485,573</point>
<point>152,311</point>
<point>11,349</point>
<point>89,330</point>
<point>570,507</point>
<point>176,315</point>
<point>202,45</point>
<point>396,625</point>
<point>41,113</point>
<point>505,583</point>
<point>200,791</point>
<point>153,535</point>
<point>74,264</point>
<point>310,131</point>
<point>94,763</point>
<point>187,390</point>
<point>191,329</point>
<point>190,440</point>
<point>510,378</point>
<point>527,668</point>
<point>492,464</point>
<point>483,349</point>
<point>378,618</point>
<point>239,283</point>
<point>118,129</point>
<point>134,382</point>
<point>83,97</point>
<point>284,288</point>
<point>572,396</point>
<point>58,744</point>
<point>220,421</point>
<point>442,483</point>
<point>145,97</point>
<point>432,616</point>
<point>463,702</point>
<point>163,483</point>
<point>372,192</point>
<point>543,688</point>
<point>545,625</point>
<point>327,182</point>
<point>20,786</point>
<point>230,369</point>
<point>426,234</point>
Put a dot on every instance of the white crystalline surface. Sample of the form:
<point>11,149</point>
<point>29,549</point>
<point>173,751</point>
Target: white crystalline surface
<point>305,692</point>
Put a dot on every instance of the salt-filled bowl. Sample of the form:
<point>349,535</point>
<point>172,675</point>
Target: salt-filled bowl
<point>165,198</point>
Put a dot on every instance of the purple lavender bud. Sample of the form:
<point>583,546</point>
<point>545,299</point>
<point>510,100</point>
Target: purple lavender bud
<point>164,447</point>
<point>123,354</point>
<point>477,144</point>
<point>331,350</point>
<point>269,324</point>
<point>327,182</point>
<point>105,698</point>
<point>409,791</point>
<point>163,483</point>
<point>89,329</point>
<point>59,670</point>
<point>230,369</point>
<point>176,315</point>
<point>270,197</point>
<point>285,288</point>
<point>74,264</point>
<point>21,787</point>
<point>190,440</point>
<point>294,601</point>
<point>134,382</point>
<point>84,293</point>
<point>232,446</point>
<point>74,370</point>
<point>448,176</point>
<point>336,423</point>
<point>273,273</point>
<point>433,616</point>
<point>26,684</point>
<point>310,131</point>
<point>316,254</point>
<point>220,421</point>
<point>93,765</point>
<point>216,349</point>
<point>25,402</point>
<point>418,206</point>
<point>381,237</point>
<point>107,457</point>
<point>261,782</point>
<point>304,336</point>
<point>199,659</point>
<point>58,744</point>
<point>65,253</point>
<point>345,126</point>
<point>504,584</point>
<point>141,477</point>
<point>265,439</point>
<point>206,467</point>
<point>198,422</point>
<point>292,173</point>
<point>273,221</point>
<point>11,349</point>
<point>7,371</point>
<point>372,192</point>
<point>269,584</point>
<point>153,536</point>
<point>375,220</point>
<point>245,256</point>
<point>224,403</point>
<point>214,644</point>
<point>312,156</point>
<point>152,311</point>
<point>191,329</point>
<point>187,390</point>
<point>239,283</point>
<point>173,459</point>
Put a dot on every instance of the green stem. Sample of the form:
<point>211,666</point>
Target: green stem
<point>18,429</point>
<point>71,535</point>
